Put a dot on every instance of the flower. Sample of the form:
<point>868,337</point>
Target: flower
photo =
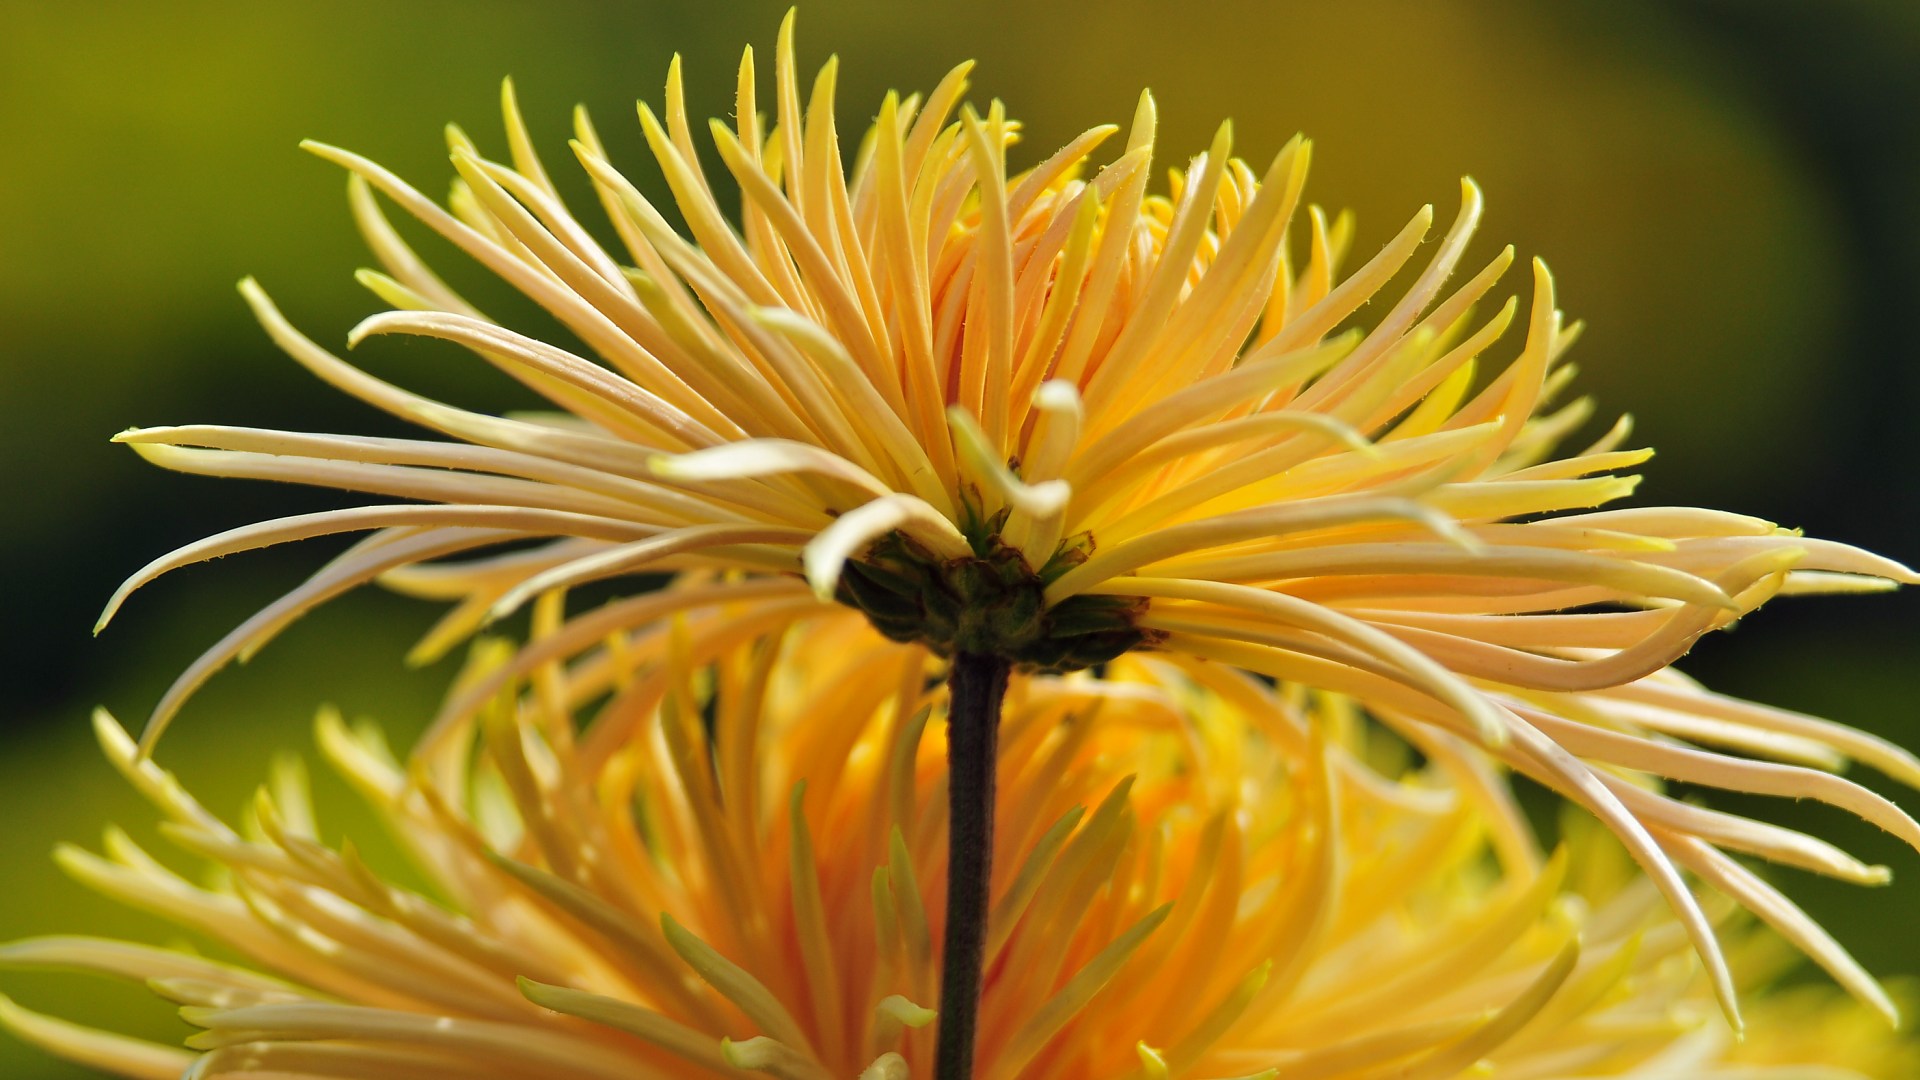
<point>1200,875</point>
<point>1040,416</point>
<point>1051,418</point>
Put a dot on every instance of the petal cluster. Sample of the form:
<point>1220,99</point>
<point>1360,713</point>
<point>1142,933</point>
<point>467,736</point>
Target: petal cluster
<point>1199,875</point>
<point>1059,416</point>
<point>1118,418</point>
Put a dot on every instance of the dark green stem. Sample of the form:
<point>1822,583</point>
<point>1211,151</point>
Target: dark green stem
<point>976,685</point>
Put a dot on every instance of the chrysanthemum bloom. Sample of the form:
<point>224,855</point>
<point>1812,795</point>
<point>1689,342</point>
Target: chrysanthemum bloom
<point>1045,418</point>
<point>1198,876</point>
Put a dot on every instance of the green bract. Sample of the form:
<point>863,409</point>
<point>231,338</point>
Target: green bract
<point>990,603</point>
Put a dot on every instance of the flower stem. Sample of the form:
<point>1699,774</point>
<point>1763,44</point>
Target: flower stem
<point>976,686</point>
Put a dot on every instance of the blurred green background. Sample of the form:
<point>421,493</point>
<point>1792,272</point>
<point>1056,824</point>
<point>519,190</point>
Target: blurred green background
<point>1729,194</point>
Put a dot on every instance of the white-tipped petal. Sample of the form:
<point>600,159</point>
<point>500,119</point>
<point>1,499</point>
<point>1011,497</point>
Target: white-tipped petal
<point>855,530</point>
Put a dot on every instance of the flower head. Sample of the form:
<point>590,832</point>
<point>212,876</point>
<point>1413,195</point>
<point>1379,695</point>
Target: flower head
<point>1201,876</point>
<point>1054,417</point>
<point>1046,415</point>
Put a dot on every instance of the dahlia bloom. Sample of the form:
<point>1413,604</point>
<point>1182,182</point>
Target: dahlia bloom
<point>1051,418</point>
<point>1199,875</point>
<point>1046,416</point>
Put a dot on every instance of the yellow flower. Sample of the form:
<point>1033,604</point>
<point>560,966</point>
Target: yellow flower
<point>1047,418</point>
<point>738,866</point>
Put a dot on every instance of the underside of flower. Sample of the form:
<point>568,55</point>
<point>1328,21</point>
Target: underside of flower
<point>737,866</point>
<point>989,603</point>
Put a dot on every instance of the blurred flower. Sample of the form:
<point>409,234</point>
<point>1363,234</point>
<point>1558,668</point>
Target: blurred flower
<point>1200,875</point>
<point>1051,418</point>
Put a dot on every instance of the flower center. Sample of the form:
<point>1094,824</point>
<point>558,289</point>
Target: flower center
<point>990,603</point>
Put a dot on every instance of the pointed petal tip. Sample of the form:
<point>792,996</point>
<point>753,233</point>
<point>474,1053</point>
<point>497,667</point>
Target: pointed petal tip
<point>1057,395</point>
<point>908,1013</point>
<point>340,156</point>
<point>71,858</point>
<point>823,576</point>
<point>542,994</point>
<point>262,305</point>
<point>113,738</point>
<point>1902,574</point>
<point>501,609</point>
<point>1728,1000</point>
